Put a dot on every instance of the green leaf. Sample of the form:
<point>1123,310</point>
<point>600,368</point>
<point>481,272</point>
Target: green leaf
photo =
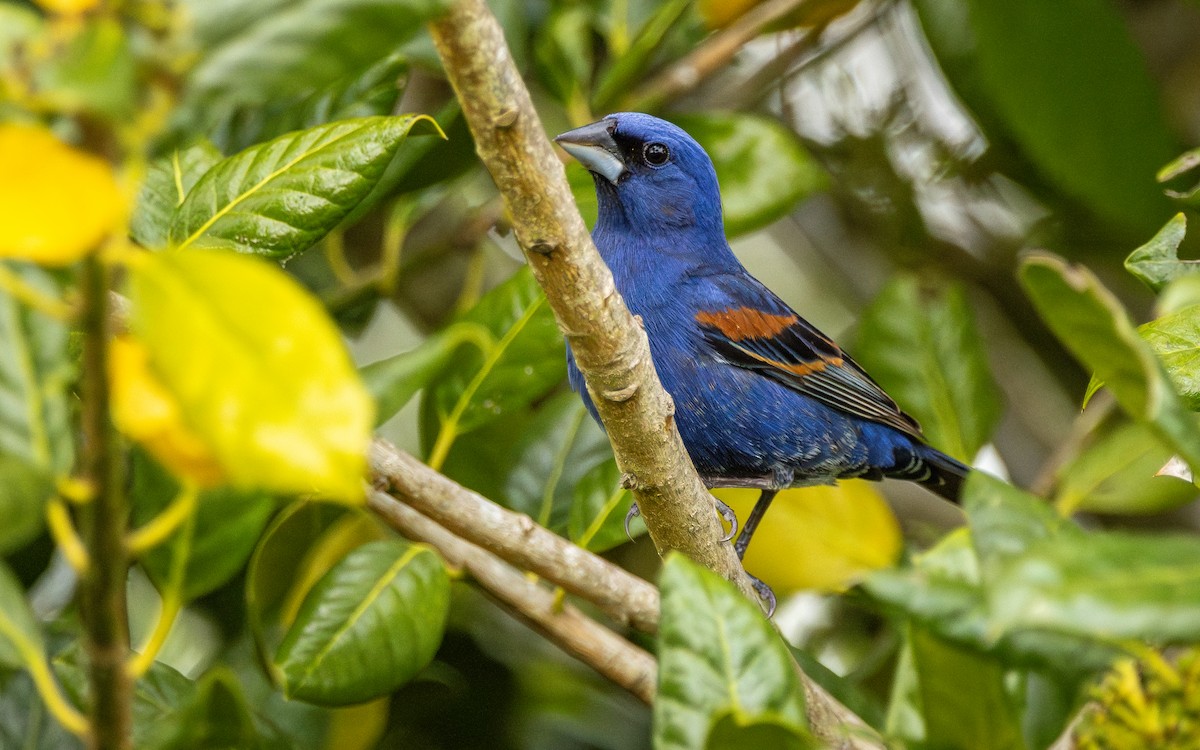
<point>963,699</point>
<point>367,92</point>
<point>25,722</point>
<point>20,638</point>
<point>215,716</point>
<point>598,509</point>
<point>24,490</point>
<point>257,370</point>
<point>34,375</point>
<point>368,626</point>
<point>1094,327</point>
<point>1175,338</point>
<point>922,346</point>
<point>167,183</point>
<point>395,380</point>
<point>284,549</point>
<point>1157,262</point>
<point>283,48</point>
<point>1115,473</point>
<point>561,445</point>
<point>280,197</point>
<point>763,170</point>
<point>731,731</point>
<point>717,653</point>
<point>527,360</point>
<point>1070,85</point>
<point>226,529</point>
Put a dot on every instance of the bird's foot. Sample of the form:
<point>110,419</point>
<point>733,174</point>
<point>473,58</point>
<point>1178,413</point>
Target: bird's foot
<point>765,593</point>
<point>634,512</point>
<point>730,518</point>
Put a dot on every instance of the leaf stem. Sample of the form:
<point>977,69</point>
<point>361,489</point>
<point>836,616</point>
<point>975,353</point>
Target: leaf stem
<point>158,529</point>
<point>102,522</point>
<point>35,298</point>
<point>172,595</point>
<point>43,679</point>
<point>64,534</point>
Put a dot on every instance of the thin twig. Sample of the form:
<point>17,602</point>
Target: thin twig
<point>102,523</point>
<point>517,539</point>
<point>562,624</point>
<point>715,52</point>
<point>609,346</point>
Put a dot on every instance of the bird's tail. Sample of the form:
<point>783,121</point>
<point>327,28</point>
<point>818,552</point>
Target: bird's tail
<point>946,475</point>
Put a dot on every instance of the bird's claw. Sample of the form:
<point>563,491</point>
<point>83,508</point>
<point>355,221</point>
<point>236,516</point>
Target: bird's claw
<point>634,512</point>
<point>730,518</point>
<point>765,593</point>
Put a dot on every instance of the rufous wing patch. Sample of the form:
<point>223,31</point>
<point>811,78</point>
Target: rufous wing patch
<point>739,323</point>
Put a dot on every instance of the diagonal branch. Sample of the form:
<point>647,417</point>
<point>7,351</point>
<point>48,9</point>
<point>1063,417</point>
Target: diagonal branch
<point>564,625</point>
<point>610,348</point>
<point>516,538</point>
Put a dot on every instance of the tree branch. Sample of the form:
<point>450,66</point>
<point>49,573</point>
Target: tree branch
<point>102,523</point>
<point>562,624</point>
<point>716,51</point>
<point>516,538</point>
<point>610,348</point>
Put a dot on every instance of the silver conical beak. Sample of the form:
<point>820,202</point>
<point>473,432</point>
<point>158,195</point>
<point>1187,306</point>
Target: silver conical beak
<point>594,147</point>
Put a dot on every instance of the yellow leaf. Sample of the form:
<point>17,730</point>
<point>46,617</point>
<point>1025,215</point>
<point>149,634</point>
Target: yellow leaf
<point>824,538</point>
<point>143,411</point>
<point>56,202</point>
<point>257,369</point>
<point>68,7</point>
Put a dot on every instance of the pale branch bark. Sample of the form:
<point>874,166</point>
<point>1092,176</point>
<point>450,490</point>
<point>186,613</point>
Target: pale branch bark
<point>514,539</point>
<point>609,346</point>
<point>102,523</point>
<point>562,624</point>
<point>621,595</point>
<point>715,52</point>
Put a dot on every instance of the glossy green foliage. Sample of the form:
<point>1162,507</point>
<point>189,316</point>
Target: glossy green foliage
<point>167,183</point>
<point>1030,588</point>
<point>922,345</point>
<point>368,626</point>
<point>280,197</point>
<point>717,655</point>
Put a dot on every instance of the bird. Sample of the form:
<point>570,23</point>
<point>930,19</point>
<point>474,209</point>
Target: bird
<point>763,399</point>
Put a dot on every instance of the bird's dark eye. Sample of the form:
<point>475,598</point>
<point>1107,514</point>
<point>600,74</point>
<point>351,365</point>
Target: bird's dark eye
<point>656,154</point>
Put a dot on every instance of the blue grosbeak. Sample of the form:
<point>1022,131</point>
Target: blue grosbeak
<point>762,398</point>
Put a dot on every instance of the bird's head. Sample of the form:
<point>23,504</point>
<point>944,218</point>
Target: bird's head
<point>650,175</point>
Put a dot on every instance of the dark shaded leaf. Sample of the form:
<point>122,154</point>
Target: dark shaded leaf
<point>282,49</point>
<point>395,380</point>
<point>558,448</point>
<point>280,197</point>
<point>527,360</point>
<point>762,168</point>
<point>226,529</point>
<point>730,731</point>
<point>368,626</point>
<point>717,653</point>
<point>597,518</point>
<point>922,346</point>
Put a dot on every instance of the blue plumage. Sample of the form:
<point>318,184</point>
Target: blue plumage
<point>762,398</point>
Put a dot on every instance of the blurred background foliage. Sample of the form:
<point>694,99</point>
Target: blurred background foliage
<point>885,164</point>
